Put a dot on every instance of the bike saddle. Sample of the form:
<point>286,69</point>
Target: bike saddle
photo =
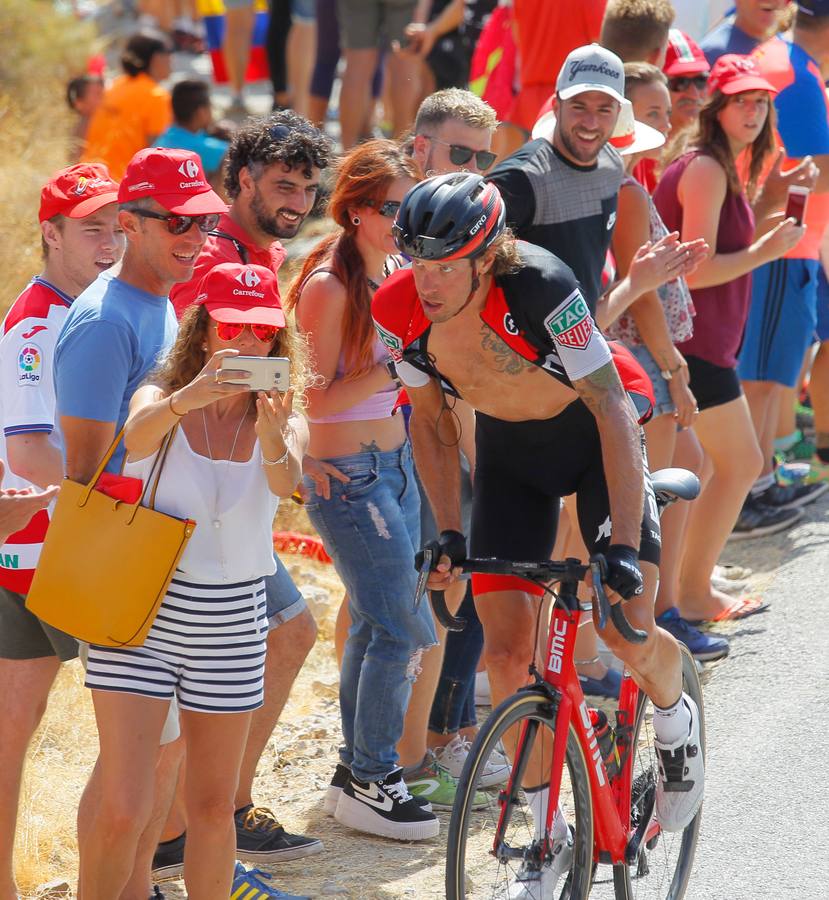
<point>679,484</point>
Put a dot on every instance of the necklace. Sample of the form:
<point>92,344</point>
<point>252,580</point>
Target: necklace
<point>372,283</point>
<point>216,522</point>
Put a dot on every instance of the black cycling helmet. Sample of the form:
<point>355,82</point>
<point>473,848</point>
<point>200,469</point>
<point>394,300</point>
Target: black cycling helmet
<point>449,217</point>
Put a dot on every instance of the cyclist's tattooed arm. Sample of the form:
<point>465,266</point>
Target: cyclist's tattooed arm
<point>434,434</point>
<point>604,396</point>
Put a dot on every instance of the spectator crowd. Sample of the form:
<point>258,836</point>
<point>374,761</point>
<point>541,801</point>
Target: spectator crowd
<point>686,185</point>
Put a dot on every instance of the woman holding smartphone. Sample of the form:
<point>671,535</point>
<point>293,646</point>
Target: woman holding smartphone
<point>370,523</point>
<point>701,195</point>
<point>232,455</point>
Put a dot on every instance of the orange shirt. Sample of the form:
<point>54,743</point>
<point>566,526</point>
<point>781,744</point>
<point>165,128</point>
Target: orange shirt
<point>548,30</point>
<point>132,114</point>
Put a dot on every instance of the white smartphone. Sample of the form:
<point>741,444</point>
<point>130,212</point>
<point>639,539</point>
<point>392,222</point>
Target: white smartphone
<point>267,373</point>
<point>796,203</point>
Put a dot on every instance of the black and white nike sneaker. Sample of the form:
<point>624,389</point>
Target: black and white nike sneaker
<point>385,808</point>
<point>339,780</point>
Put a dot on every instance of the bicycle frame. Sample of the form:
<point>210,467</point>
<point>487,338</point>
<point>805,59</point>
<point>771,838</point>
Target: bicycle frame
<point>613,841</point>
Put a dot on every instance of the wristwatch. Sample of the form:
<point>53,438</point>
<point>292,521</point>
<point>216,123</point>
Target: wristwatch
<point>668,374</point>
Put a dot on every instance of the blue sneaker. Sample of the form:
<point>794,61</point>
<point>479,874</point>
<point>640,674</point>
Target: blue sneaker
<point>607,686</point>
<point>704,647</point>
<point>246,884</point>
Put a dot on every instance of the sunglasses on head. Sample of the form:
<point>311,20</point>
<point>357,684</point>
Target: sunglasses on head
<point>229,331</point>
<point>460,155</point>
<point>683,82</point>
<point>180,224</point>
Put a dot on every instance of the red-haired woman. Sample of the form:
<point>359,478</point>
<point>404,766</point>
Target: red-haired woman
<point>369,523</point>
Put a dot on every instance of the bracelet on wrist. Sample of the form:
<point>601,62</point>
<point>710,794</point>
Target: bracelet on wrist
<point>178,415</point>
<point>276,462</point>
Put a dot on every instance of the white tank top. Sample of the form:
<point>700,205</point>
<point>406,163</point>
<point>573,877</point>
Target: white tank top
<point>231,504</point>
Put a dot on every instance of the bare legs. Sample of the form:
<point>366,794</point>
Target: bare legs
<point>237,43</point>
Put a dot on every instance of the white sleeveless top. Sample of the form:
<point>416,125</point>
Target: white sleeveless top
<point>231,504</point>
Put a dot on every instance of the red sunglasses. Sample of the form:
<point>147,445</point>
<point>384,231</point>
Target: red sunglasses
<point>229,331</point>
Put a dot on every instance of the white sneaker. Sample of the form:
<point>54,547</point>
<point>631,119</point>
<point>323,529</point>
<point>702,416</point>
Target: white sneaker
<point>482,695</point>
<point>682,776</point>
<point>535,884</point>
<point>453,756</point>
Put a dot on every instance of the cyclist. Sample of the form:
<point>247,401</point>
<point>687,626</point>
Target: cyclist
<point>503,324</point>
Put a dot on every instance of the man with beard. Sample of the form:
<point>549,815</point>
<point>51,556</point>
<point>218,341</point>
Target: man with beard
<point>272,177</point>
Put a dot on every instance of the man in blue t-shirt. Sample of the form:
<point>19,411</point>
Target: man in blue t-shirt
<point>120,324</point>
<point>193,116</point>
<point>753,22</point>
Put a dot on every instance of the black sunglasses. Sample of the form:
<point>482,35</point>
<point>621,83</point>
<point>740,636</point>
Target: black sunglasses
<point>460,155</point>
<point>683,82</point>
<point>180,224</point>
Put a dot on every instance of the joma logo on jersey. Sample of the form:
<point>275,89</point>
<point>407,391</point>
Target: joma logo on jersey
<point>573,326</point>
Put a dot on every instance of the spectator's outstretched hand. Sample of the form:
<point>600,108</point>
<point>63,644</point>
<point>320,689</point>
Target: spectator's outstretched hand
<point>656,263</point>
<point>18,506</point>
<point>776,186</point>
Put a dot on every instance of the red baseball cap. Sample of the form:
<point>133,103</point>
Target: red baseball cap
<point>733,74</point>
<point>173,178</point>
<point>77,191</point>
<point>684,56</point>
<point>243,294</point>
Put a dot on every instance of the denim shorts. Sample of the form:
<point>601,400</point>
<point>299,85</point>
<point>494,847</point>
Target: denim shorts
<point>282,596</point>
<point>663,404</point>
<point>304,10</point>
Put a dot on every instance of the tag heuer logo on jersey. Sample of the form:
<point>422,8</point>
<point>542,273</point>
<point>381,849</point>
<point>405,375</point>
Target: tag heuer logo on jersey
<point>392,341</point>
<point>572,326</point>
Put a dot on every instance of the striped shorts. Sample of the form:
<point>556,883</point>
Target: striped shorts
<point>206,647</point>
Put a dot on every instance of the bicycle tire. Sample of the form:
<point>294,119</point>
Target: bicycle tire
<point>462,857</point>
<point>669,868</point>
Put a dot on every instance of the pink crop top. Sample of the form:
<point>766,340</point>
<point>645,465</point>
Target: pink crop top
<point>377,406</point>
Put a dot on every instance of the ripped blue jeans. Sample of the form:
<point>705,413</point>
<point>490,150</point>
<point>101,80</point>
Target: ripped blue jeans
<point>371,529</point>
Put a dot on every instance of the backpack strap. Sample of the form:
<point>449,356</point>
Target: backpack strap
<point>240,248</point>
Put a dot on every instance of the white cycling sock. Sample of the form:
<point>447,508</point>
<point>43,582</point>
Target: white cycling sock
<point>673,724</point>
<point>538,800</point>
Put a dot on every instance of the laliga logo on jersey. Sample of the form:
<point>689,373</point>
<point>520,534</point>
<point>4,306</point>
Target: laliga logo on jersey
<point>248,278</point>
<point>189,168</point>
<point>573,326</point>
<point>29,364</point>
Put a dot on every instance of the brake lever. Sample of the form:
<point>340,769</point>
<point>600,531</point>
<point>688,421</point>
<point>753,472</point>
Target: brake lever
<point>632,635</point>
<point>423,577</point>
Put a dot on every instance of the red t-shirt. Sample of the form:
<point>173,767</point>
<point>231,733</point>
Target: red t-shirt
<point>233,245</point>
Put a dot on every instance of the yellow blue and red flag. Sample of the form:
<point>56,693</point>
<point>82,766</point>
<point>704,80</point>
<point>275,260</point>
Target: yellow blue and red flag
<point>213,15</point>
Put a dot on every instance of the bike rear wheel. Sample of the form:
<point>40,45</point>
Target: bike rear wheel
<point>473,869</point>
<point>663,868</point>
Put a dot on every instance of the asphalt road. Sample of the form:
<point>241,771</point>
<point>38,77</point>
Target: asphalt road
<point>765,830</point>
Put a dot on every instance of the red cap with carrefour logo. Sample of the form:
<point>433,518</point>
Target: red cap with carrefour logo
<point>77,191</point>
<point>244,294</point>
<point>173,178</point>
<point>734,74</point>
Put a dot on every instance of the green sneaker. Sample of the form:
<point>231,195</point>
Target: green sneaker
<point>435,784</point>
<point>803,450</point>
<point>818,471</point>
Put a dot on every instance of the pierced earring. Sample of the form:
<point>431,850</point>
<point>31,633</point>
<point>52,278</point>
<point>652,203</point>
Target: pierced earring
<point>204,347</point>
<point>355,220</point>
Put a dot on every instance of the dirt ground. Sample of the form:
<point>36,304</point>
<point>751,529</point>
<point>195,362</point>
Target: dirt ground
<point>292,777</point>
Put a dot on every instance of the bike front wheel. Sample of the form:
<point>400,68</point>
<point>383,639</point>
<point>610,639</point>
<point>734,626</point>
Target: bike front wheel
<point>662,869</point>
<point>492,849</point>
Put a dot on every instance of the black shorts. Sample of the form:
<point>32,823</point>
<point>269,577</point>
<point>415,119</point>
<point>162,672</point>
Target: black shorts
<point>712,385</point>
<point>522,471</point>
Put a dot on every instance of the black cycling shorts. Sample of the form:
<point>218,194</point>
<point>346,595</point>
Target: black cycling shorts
<point>522,471</point>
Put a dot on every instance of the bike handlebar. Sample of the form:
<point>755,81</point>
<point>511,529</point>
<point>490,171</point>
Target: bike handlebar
<point>567,572</point>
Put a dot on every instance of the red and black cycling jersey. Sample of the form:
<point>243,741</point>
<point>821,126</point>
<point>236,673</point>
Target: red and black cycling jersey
<point>538,311</point>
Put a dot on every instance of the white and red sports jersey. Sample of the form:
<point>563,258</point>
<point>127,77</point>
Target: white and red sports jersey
<point>27,404</point>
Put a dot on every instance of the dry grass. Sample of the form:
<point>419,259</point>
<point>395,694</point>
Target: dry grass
<point>41,52</point>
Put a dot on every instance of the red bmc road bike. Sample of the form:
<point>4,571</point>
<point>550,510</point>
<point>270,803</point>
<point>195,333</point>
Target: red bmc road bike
<point>603,775</point>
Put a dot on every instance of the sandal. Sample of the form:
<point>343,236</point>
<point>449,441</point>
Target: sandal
<point>741,608</point>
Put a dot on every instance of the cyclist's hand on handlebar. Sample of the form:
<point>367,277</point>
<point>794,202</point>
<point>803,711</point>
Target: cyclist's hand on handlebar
<point>449,548</point>
<point>624,576</point>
